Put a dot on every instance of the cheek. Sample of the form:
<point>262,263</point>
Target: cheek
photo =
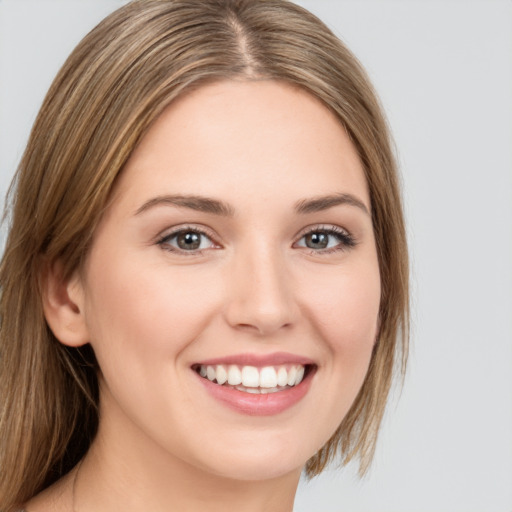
<point>140,326</point>
<point>346,308</point>
<point>343,309</point>
<point>140,311</point>
<point>346,315</point>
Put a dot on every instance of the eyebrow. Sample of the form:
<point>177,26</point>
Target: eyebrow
<point>199,203</point>
<point>216,207</point>
<point>318,204</point>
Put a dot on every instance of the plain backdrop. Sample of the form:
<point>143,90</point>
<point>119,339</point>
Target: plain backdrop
<point>443,70</point>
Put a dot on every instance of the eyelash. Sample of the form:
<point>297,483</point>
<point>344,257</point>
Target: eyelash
<point>163,242</point>
<point>345,240</point>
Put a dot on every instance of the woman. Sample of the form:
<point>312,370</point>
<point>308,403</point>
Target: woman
<point>206,273</point>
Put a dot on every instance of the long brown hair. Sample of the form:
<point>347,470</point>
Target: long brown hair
<point>121,76</point>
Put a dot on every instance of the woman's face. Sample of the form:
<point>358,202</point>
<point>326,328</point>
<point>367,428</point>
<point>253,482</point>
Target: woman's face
<point>239,245</point>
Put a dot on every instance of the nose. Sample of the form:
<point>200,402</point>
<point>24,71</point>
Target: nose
<point>261,296</point>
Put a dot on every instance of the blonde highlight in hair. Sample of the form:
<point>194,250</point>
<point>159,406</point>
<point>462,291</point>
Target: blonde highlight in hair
<point>111,89</point>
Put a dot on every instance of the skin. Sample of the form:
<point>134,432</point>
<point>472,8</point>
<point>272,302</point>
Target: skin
<point>150,313</point>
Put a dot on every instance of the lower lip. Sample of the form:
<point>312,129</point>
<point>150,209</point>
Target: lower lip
<point>258,404</point>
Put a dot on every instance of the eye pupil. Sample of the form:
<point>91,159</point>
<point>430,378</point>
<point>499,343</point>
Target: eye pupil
<point>317,240</point>
<point>189,240</point>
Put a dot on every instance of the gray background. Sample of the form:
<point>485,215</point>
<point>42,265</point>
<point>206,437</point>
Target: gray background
<point>444,72</point>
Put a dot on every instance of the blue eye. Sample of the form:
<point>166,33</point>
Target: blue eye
<point>186,240</point>
<point>326,240</point>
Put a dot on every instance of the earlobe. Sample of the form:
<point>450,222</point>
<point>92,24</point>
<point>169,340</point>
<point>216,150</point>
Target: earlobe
<point>63,305</point>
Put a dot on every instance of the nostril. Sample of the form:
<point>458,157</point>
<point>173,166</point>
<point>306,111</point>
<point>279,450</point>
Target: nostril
<point>261,302</point>
<point>263,326</point>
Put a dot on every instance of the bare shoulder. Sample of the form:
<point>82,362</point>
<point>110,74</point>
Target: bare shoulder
<point>57,498</point>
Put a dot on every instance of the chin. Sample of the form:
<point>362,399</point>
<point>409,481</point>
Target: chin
<point>257,462</point>
<point>259,470</point>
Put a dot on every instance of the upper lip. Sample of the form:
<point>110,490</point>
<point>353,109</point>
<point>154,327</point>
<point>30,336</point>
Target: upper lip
<point>259,360</point>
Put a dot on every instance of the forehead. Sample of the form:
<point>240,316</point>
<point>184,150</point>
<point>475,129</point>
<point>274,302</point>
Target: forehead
<point>245,139</point>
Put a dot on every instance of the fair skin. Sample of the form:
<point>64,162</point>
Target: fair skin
<point>171,284</point>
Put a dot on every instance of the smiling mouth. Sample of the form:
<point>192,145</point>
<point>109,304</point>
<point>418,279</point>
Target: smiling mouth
<point>251,379</point>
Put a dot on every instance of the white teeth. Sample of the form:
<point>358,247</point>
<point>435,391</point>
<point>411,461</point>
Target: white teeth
<point>268,379</point>
<point>210,373</point>
<point>292,373</point>
<point>254,391</point>
<point>300,375</point>
<point>234,375</point>
<point>259,391</point>
<point>282,377</point>
<point>250,377</point>
<point>222,374</point>
<point>265,391</point>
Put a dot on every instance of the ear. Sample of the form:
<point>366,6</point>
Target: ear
<point>63,305</point>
